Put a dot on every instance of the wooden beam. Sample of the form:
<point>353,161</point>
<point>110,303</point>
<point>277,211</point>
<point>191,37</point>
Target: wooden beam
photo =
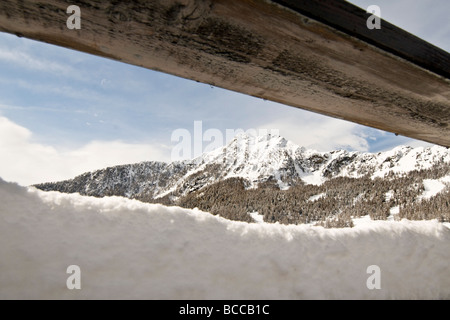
<point>350,19</point>
<point>260,48</point>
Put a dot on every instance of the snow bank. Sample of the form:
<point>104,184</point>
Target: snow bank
<point>127,249</point>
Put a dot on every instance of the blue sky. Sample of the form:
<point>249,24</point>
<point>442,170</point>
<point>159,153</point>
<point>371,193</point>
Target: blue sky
<point>64,112</point>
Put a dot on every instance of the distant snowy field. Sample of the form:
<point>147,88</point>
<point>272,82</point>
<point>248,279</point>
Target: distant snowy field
<point>131,250</point>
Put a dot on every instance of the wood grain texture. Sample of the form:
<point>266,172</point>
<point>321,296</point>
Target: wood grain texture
<point>256,47</point>
<point>350,19</point>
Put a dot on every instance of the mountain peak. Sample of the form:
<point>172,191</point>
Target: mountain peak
<point>249,136</point>
<point>254,158</point>
<point>255,142</point>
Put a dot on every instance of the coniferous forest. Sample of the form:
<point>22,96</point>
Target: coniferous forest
<point>332,204</point>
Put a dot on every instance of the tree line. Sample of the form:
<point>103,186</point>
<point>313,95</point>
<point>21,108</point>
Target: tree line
<point>343,198</point>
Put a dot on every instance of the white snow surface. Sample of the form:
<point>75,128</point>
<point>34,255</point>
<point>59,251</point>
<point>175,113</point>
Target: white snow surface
<point>131,250</point>
<point>317,197</point>
<point>259,218</point>
<point>433,187</point>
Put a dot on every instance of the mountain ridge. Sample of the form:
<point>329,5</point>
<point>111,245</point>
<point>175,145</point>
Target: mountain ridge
<point>256,159</point>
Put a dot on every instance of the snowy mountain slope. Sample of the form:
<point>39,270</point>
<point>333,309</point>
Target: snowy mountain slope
<point>127,249</point>
<point>256,159</point>
<point>434,186</point>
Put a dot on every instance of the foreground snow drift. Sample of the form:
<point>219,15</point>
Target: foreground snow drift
<point>128,249</point>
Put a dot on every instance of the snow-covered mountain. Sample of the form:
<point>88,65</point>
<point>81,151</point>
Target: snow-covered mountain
<point>255,159</point>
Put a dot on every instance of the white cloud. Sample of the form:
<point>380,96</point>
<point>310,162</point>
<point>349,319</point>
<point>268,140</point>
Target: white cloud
<point>25,60</point>
<point>412,143</point>
<point>24,161</point>
<point>321,133</point>
<point>66,91</point>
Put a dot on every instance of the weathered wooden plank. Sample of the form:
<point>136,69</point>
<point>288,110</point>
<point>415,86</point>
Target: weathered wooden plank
<point>350,19</point>
<point>256,47</point>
